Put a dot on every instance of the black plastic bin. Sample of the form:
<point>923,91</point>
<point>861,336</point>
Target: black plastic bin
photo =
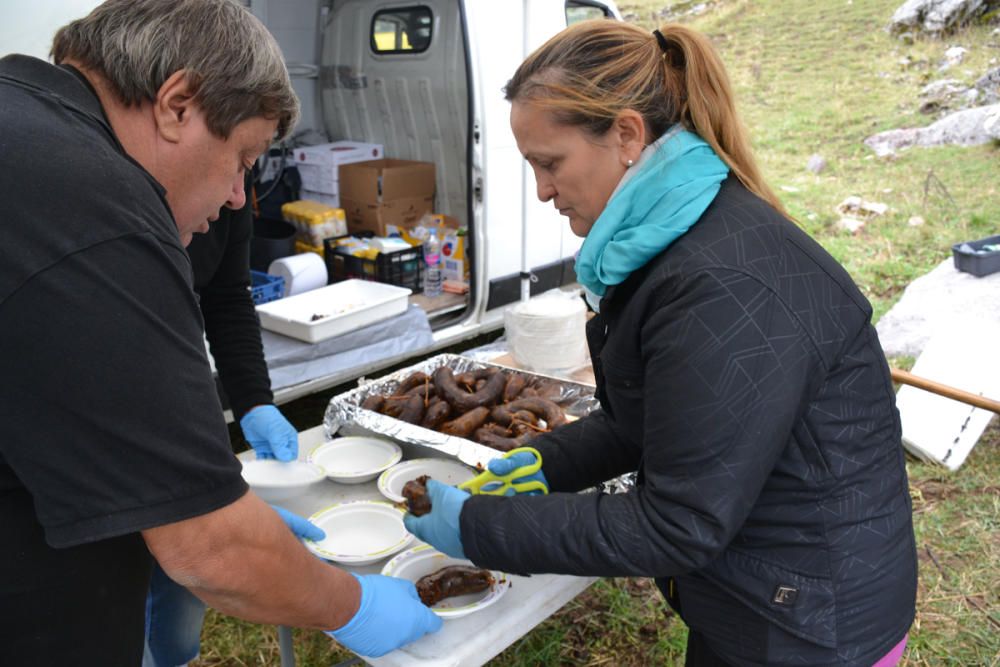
<point>977,263</point>
<point>272,239</point>
<point>398,267</point>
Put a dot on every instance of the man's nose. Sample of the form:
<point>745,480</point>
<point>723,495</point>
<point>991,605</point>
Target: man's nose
<point>237,197</point>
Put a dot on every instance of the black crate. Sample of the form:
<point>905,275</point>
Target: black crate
<point>978,264</point>
<point>400,267</point>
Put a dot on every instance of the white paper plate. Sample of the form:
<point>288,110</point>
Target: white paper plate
<point>360,532</point>
<point>353,460</point>
<point>391,482</point>
<point>275,480</point>
<point>422,560</point>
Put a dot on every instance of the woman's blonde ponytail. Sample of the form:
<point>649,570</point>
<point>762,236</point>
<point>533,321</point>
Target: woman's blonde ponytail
<point>707,106</point>
<point>592,71</point>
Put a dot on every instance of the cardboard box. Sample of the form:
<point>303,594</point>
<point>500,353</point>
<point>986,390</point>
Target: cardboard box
<point>320,179</point>
<point>321,197</point>
<point>454,265</point>
<point>318,164</point>
<point>385,192</point>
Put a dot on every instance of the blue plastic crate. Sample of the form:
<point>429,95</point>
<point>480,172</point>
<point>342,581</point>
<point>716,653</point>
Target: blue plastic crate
<point>265,287</point>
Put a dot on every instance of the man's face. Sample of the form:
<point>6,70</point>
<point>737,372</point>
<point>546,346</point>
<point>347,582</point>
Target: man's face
<point>204,173</point>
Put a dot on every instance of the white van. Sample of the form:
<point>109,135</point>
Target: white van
<point>424,78</point>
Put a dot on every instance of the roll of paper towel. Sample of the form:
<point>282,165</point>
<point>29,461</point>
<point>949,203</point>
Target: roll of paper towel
<point>548,332</point>
<point>301,272</point>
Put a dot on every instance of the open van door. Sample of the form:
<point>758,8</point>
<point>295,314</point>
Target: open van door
<point>425,79</point>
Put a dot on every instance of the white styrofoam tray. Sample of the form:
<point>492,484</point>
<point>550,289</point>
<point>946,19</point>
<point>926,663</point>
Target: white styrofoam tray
<point>332,310</point>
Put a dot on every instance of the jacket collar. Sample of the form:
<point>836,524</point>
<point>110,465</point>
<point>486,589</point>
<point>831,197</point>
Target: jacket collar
<point>71,89</point>
<point>64,83</point>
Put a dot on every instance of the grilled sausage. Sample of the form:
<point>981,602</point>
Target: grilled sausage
<point>544,408</point>
<point>448,389</point>
<point>375,403</point>
<point>463,426</point>
<point>451,581</point>
<point>437,412</point>
<point>411,381</point>
<point>413,409</point>
<point>418,503</point>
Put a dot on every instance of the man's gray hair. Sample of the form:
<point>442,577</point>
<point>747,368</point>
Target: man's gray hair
<point>232,62</point>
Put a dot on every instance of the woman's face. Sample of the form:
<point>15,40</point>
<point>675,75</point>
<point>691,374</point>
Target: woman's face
<point>574,170</point>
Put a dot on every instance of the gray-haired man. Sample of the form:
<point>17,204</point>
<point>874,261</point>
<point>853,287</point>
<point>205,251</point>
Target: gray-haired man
<point>112,442</point>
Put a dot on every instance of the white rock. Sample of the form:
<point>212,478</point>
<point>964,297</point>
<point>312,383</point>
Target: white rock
<point>969,127</point>
<point>932,300</point>
<point>955,55</point>
<point>816,163</point>
<point>992,123</point>
<point>934,16</point>
<point>942,87</point>
<point>853,225</point>
<point>915,221</point>
<point>857,207</point>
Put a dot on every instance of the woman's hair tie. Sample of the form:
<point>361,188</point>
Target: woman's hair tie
<point>673,53</point>
<point>662,41</point>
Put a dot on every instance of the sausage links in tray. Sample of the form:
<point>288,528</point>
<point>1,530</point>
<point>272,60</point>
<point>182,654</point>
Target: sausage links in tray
<point>480,404</point>
<point>491,406</point>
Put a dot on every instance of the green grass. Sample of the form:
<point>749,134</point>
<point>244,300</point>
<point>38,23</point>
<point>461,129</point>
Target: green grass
<point>821,77</point>
<point>957,521</point>
<point>811,77</point>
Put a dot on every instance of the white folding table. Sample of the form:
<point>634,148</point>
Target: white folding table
<point>468,641</point>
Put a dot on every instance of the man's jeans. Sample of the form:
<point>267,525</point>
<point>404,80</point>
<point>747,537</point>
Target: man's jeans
<point>173,622</point>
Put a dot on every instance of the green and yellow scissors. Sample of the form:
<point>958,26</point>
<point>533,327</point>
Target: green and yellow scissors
<point>497,485</point>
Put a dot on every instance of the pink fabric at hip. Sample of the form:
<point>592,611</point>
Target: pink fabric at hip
<point>891,658</point>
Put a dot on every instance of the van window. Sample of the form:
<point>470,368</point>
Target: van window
<point>401,30</point>
<point>581,10</point>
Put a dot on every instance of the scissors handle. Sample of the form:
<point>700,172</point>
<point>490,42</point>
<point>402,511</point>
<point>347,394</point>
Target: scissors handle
<point>488,483</point>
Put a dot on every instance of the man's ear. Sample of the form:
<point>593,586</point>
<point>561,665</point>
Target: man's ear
<point>174,106</point>
<point>631,131</point>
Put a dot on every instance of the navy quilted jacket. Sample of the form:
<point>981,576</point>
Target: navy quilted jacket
<point>740,375</point>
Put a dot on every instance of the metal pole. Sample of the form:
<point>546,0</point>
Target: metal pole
<point>285,649</point>
<point>525,274</point>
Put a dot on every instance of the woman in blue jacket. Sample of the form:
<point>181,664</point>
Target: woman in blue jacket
<point>737,368</point>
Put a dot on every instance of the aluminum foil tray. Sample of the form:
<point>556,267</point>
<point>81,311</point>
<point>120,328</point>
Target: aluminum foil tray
<point>346,416</point>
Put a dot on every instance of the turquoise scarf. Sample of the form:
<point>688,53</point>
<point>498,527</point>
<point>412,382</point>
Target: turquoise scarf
<point>657,200</point>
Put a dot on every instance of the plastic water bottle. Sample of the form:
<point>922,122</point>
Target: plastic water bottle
<point>432,264</point>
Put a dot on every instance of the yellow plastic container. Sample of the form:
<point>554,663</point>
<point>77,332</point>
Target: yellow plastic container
<point>302,246</point>
<point>314,222</point>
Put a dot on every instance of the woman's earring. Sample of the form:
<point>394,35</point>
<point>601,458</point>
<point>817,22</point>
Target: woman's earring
<point>629,163</point>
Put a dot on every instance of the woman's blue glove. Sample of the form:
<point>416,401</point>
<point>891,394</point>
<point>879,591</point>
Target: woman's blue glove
<point>440,527</point>
<point>302,527</point>
<point>505,466</point>
<point>390,615</point>
<point>270,434</point>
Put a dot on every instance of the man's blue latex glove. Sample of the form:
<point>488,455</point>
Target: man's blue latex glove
<point>505,466</point>
<point>390,615</point>
<point>302,527</point>
<point>270,434</point>
<point>440,527</point>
